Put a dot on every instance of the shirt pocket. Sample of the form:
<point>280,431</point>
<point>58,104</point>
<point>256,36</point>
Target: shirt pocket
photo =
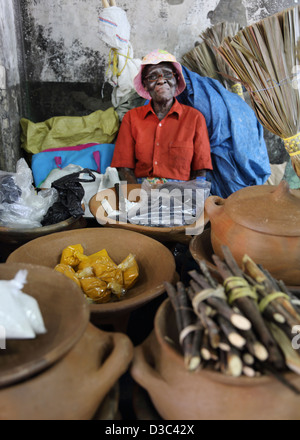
<point>181,154</point>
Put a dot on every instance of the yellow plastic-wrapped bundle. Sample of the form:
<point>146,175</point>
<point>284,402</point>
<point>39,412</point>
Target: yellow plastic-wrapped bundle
<point>99,277</point>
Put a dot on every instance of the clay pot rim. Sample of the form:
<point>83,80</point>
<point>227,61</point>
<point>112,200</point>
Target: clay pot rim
<point>210,375</point>
<point>169,233</point>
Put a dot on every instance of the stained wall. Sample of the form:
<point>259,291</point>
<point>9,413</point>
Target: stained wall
<point>53,62</point>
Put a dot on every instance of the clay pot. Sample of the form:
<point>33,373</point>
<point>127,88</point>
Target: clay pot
<point>65,314</point>
<point>156,263</point>
<point>73,388</point>
<point>12,238</point>
<point>164,234</point>
<point>262,222</point>
<point>177,394</point>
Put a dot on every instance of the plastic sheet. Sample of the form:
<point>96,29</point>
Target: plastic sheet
<point>166,205</point>
<point>20,314</point>
<point>71,194</point>
<point>20,205</point>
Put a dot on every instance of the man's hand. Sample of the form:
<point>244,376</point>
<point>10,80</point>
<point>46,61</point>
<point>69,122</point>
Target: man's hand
<point>127,175</point>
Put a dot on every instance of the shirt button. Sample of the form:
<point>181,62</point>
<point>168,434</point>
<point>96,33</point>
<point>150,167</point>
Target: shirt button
<point>157,144</point>
<point>160,124</point>
<point>155,163</point>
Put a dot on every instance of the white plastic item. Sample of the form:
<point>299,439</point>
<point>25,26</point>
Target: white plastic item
<point>114,30</point>
<point>20,314</point>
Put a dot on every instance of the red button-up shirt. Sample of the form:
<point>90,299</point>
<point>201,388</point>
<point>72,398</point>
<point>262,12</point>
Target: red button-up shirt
<point>170,148</point>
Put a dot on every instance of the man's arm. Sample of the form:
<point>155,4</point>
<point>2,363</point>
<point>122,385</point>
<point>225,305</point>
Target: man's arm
<point>197,173</point>
<point>127,175</point>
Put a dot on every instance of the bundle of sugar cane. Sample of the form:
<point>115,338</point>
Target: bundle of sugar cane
<point>202,60</point>
<point>265,58</point>
<point>214,37</point>
<point>243,326</point>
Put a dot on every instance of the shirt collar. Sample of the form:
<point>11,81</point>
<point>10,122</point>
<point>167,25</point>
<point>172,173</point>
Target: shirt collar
<point>175,109</point>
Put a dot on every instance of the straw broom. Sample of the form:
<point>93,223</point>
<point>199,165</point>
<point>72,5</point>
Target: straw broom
<point>201,59</point>
<point>214,37</point>
<point>265,57</point>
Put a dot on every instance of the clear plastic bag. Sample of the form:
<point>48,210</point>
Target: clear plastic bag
<point>170,204</point>
<point>20,205</point>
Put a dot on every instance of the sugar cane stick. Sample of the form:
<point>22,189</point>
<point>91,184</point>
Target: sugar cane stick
<point>234,364</point>
<point>250,309</point>
<point>282,306</point>
<point>195,360</point>
<point>221,306</point>
<point>188,321</point>
<point>207,274</point>
<point>255,347</point>
<point>208,323</point>
<point>231,334</point>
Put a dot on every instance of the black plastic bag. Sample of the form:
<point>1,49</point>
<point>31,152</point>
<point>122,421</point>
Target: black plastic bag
<point>70,196</point>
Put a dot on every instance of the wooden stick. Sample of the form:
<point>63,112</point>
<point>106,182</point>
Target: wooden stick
<point>105,3</point>
<point>220,305</point>
<point>207,274</point>
<point>255,347</point>
<point>250,310</point>
<point>231,334</point>
<point>113,3</point>
<point>187,321</point>
<point>234,364</point>
<point>195,360</point>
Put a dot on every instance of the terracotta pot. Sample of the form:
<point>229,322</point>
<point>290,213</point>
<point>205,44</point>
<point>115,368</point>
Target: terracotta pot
<point>65,314</point>
<point>262,222</point>
<point>73,388</point>
<point>204,395</point>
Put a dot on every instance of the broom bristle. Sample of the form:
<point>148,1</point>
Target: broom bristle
<point>264,57</point>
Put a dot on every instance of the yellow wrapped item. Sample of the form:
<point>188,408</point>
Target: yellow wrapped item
<point>68,271</point>
<point>89,261</point>
<point>130,271</point>
<point>97,274</point>
<point>69,255</point>
<point>96,290</point>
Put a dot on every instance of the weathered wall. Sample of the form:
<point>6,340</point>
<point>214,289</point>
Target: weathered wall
<point>11,96</point>
<point>65,60</point>
<point>62,41</point>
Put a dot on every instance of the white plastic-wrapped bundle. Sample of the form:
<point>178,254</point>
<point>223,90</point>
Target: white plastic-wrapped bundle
<point>20,314</point>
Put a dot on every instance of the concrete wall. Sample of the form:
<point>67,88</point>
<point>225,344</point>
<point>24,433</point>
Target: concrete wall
<point>11,73</point>
<point>55,61</point>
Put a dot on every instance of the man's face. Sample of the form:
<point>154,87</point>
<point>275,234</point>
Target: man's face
<point>160,81</point>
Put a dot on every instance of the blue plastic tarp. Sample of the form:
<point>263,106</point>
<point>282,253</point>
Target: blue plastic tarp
<point>239,153</point>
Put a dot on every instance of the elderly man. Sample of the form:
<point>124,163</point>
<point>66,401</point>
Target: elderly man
<point>162,140</point>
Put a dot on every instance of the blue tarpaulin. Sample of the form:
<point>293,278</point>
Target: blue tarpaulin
<point>239,153</point>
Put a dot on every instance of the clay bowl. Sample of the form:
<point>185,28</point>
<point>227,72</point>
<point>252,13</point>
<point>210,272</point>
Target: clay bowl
<point>75,387</point>
<point>156,262</point>
<point>201,250</point>
<point>132,193</point>
<point>65,314</point>
<point>177,394</point>
<point>262,222</point>
<point>12,238</point>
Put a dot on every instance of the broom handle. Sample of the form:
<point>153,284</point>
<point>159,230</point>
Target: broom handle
<point>106,3</point>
